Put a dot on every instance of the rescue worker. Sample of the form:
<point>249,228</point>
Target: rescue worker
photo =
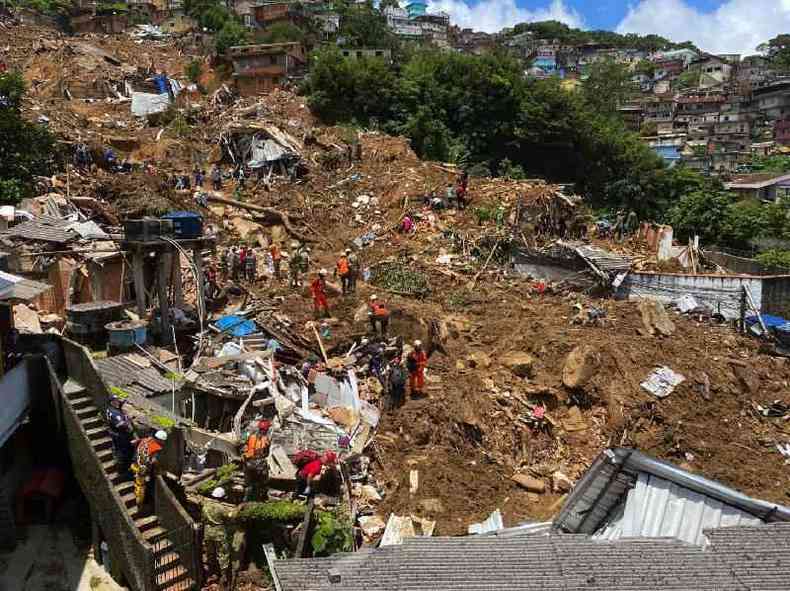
<point>230,258</point>
<point>314,470</point>
<point>256,469</point>
<point>251,265</point>
<point>318,289</point>
<point>216,177</point>
<point>619,225</point>
<point>631,223</point>
<point>274,252</point>
<point>396,384</point>
<point>379,316</point>
<point>451,196</point>
<point>121,433</point>
<point>343,271</point>
<point>145,462</point>
<point>353,269</point>
<point>199,176</point>
<point>295,263</point>
<point>460,195</point>
<point>415,363</point>
<point>223,539</point>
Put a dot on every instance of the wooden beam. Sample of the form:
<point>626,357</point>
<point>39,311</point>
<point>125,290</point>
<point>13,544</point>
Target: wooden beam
<point>308,516</point>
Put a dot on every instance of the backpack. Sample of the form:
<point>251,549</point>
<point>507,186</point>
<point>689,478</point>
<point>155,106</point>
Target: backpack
<point>411,363</point>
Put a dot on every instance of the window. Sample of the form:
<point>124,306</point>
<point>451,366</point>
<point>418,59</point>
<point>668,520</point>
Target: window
<point>345,53</point>
<point>359,54</point>
<point>379,54</point>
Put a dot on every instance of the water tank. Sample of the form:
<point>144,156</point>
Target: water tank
<point>125,334</point>
<point>148,229</point>
<point>186,224</point>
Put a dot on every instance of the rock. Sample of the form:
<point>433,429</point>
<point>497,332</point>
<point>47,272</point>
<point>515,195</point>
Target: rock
<point>459,365</point>
<point>372,525</point>
<point>580,366</point>
<point>655,318</point>
<point>561,483</point>
<point>574,421</point>
<point>748,380</point>
<point>479,360</point>
<point>534,485</point>
<point>521,364</point>
<point>432,505</point>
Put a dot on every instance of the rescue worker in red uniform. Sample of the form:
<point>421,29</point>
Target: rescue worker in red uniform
<point>318,289</point>
<point>415,363</point>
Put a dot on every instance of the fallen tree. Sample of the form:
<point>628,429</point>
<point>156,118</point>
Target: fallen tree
<point>268,215</point>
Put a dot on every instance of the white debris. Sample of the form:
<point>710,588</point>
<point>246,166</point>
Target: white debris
<point>662,381</point>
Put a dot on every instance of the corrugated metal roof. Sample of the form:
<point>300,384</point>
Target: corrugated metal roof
<point>120,371</point>
<point>45,229</point>
<point>656,507</point>
<point>15,288</point>
<point>558,562</point>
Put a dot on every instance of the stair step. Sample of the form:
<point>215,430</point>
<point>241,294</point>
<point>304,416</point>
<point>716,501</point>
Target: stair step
<point>96,433</point>
<point>146,523</point>
<point>129,499</point>
<point>186,584</point>
<point>86,411</point>
<point>114,476</point>
<point>70,388</point>
<point>152,535</point>
<point>166,560</point>
<point>81,401</point>
<point>162,547</point>
<point>92,421</point>
<point>101,443</point>
<point>169,577</point>
<point>124,488</point>
<point>105,454</point>
<point>110,466</point>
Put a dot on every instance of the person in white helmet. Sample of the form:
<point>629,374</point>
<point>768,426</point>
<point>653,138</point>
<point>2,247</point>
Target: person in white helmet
<point>318,289</point>
<point>379,316</point>
<point>146,460</point>
<point>415,363</point>
<point>343,271</point>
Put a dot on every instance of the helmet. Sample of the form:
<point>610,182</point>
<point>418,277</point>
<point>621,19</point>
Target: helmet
<point>348,251</point>
<point>161,435</point>
<point>115,399</point>
<point>330,457</point>
<point>418,343</point>
<point>322,272</point>
<point>218,493</point>
<point>264,426</point>
<point>374,297</point>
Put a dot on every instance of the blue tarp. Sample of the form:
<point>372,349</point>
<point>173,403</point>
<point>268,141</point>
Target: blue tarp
<point>769,320</point>
<point>238,325</point>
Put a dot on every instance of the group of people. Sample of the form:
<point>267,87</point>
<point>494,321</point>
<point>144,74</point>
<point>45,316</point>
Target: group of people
<point>137,458</point>
<point>455,196</point>
<point>241,262</point>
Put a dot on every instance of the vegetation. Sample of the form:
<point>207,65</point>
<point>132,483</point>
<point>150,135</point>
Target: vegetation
<point>222,478</point>
<point>26,150</point>
<point>608,86</point>
<point>119,392</point>
<point>777,163</point>
<point>280,33</point>
<point>332,534</point>
<point>565,34</point>
<point>163,422</point>
<point>217,18</point>
<point>280,511</point>
<point>48,7</point>
<point>777,50</point>
<point>193,70</point>
<point>777,258</point>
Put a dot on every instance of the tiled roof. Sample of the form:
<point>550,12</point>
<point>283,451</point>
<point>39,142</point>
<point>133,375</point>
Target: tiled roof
<point>738,559</point>
<point>121,372</point>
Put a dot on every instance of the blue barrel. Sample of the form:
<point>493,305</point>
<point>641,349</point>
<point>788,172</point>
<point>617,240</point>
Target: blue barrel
<point>125,335</point>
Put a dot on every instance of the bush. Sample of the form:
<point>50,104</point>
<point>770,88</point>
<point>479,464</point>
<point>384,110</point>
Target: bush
<point>231,34</point>
<point>193,70</point>
<point>776,258</point>
<point>280,511</point>
<point>332,534</point>
<point>223,476</point>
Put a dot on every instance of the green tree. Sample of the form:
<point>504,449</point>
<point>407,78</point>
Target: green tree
<point>608,86</point>
<point>701,212</point>
<point>778,51</point>
<point>26,149</point>
<point>230,35</point>
<point>777,258</point>
<point>282,32</point>
<point>361,25</point>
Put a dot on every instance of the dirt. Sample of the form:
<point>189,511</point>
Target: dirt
<point>472,432</point>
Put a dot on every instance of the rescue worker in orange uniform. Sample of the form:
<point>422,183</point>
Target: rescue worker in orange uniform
<point>379,316</point>
<point>318,289</point>
<point>415,363</point>
<point>343,270</point>
<point>274,251</point>
<point>256,470</point>
<point>146,459</point>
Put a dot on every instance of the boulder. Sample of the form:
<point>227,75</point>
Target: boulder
<point>533,485</point>
<point>521,364</point>
<point>432,505</point>
<point>655,318</point>
<point>479,360</point>
<point>561,483</point>
<point>581,365</point>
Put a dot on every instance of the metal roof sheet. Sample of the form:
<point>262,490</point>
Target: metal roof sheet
<point>45,229</point>
<point>15,288</point>
<point>120,371</point>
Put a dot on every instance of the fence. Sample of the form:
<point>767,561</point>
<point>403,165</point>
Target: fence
<point>183,532</point>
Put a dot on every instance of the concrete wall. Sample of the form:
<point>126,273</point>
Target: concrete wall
<point>15,390</point>
<point>722,293</point>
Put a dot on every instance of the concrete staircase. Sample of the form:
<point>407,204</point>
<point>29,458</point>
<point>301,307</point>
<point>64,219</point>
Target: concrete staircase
<point>169,571</point>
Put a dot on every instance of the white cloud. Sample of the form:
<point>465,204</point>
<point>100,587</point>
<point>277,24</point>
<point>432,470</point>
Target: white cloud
<point>493,15</point>
<point>737,26</point>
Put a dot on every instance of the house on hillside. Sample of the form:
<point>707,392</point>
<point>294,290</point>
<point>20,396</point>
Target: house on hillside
<point>262,68</point>
<point>773,99</point>
<point>713,71</point>
<point>765,186</point>
<point>369,53</point>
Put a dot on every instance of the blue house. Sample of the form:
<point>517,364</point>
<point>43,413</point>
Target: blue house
<point>417,8</point>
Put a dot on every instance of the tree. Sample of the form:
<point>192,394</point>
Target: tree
<point>363,26</point>
<point>231,34</point>
<point>701,212</point>
<point>280,33</point>
<point>777,50</point>
<point>26,149</point>
<point>608,86</point>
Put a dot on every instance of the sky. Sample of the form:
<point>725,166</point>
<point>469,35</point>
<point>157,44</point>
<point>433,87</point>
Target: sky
<point>717,26</point>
